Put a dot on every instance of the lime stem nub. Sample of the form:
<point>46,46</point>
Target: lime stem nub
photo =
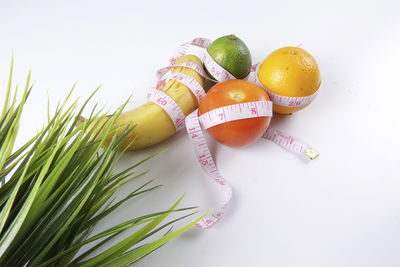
<point>232,37</point>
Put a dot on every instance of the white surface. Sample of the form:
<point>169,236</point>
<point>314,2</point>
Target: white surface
<point>340,210</point>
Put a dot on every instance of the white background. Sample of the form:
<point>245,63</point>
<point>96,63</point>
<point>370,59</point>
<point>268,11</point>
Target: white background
<point>340,210</point>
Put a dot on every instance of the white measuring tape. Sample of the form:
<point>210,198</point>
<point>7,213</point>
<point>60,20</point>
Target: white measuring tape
<point>182,49</point>
<point>209,168</point>
<point>192,65</point>
<point>280,100</point>
<point>168,105</point>
<point>221,74</point>
<point>218,72</point>
<point>203,154</point>
<point>290,143</point>
<point>195,123</point>
<point>187,80</point>
<point>236,112</point>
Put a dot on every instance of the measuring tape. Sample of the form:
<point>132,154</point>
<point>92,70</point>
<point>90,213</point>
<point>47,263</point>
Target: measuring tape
<point>236,112</point>
<point>209,168</point>
<point>225,114</point>
<point>280,100</point>
<point>290,143</point>
<point>183,49</point>
<point>220,74</point>
<point>187,80</point>
<point>193,65</point>
<point>195,123</point>
<point>168,105</point>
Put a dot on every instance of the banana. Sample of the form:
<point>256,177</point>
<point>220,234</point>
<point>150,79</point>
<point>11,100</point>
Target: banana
<point>151,123</point>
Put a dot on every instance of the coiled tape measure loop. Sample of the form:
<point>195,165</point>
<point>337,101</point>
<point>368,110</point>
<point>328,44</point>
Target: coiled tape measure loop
<point>168,105</point>
<point>221,74</point>
<point>194,123</point>
<point>280,100</point>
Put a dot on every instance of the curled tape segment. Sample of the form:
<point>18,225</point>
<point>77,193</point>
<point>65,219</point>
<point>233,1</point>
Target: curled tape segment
<point>191,83</point>
<point>207,163</point>
<point>280,100</point>
<point>182,49</point>
<point>236,112</point>
<point>194,124</point>
<point>168,104</point>
<point>193,65</point>
<point>215,69</point>
<point>290,143</point>
<point>221,74</point>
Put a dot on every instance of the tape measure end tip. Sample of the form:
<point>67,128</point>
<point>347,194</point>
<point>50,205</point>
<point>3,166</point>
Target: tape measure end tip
<point>311,153</point>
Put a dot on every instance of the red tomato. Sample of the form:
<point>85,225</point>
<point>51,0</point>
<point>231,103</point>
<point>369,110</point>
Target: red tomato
<point>240,132</point>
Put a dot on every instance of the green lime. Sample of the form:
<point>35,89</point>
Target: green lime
<point>232,54</point>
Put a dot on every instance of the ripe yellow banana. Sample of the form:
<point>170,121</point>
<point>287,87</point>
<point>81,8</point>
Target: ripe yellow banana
<point>151,123</point>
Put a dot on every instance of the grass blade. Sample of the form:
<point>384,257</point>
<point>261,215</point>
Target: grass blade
<point>136,254</point>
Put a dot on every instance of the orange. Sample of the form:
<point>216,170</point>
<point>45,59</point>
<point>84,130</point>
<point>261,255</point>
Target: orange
<point>290,71</point>
<point>240,132</point>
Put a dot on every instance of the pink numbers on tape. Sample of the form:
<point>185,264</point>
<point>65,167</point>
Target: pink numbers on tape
<point>182,49</point>
<point>203,155</point>
<point>280,100</point>
<point>192,65</point>
<point>187,80</point>
<point>201,42</point>
<point>291,101</point>
<point>221,115</point>
<point>206,162</point>
<point>218,72</point>
<point>290,143</point>
<point>168,105</point>
<point>236,112</point>
<point>286,141</point>
<point>191,83</point>
<point>194,125</point>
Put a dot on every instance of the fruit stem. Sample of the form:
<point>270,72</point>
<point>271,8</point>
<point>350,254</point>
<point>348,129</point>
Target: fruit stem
<point>232,37</point>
